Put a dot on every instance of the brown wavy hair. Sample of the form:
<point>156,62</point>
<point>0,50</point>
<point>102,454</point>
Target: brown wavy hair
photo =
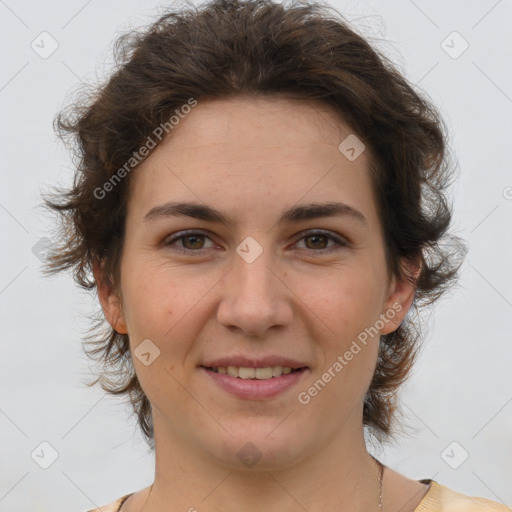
<point>228,48</point>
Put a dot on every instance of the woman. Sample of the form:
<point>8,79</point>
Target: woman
<point>260,201</point>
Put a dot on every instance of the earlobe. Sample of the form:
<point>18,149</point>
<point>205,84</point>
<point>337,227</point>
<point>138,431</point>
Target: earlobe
<point>400,298</point>
<point>119,325</point>
<point>110,302</point>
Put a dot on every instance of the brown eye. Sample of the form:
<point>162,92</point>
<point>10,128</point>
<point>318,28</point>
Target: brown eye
<point>317,241</point>
<point>193,241</point>
<point>189,242</point>
<point>320,243</point>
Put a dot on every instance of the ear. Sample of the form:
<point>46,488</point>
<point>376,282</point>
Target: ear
<point>400,296</point>
<point>110,302</point>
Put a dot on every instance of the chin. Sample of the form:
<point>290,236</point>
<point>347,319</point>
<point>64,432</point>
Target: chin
<point>259,448</point>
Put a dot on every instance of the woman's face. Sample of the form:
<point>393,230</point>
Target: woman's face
<point>229,260</point>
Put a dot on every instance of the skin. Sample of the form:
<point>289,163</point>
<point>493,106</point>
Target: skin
<point>252,159</point>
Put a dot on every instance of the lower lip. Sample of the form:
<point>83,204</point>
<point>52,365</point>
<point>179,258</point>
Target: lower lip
<point>255,389</point>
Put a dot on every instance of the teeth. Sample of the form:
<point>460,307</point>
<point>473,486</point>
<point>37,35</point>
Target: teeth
<point>232,371</point>
<point>263,373</point>
<point>247,373</point>
<point>276,371</point>
<point>254,373</point>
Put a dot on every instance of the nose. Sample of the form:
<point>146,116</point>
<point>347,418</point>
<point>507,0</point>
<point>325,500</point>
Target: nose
<point>255,298</point>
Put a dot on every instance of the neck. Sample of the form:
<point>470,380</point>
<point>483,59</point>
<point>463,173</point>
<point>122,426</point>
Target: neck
<point>337,474</point>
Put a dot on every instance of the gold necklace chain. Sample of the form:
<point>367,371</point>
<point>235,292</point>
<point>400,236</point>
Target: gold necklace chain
<point>379,479</point>
<point>381,474</point>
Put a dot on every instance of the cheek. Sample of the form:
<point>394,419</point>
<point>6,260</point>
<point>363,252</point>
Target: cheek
<point>348,307</point>
<point>346,301</point>
<point>152,299</point>
<point>156,308</point>
<point>165,303</point>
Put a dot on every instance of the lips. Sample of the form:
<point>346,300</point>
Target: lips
<point>252,378</point>
<point>255,389</point>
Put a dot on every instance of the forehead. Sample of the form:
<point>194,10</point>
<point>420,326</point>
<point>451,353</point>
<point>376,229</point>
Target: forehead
<point>261,151</point>
<point>235,118</point>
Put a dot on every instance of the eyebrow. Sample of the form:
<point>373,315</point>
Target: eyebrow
<point>292,215</point>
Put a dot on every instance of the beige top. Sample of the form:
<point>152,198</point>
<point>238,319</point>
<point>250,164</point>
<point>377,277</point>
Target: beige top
<point>437,499</point>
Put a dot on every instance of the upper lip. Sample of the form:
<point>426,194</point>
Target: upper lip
<point>252,362</point>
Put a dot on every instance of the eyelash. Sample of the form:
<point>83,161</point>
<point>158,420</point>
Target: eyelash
<point>184,234</point>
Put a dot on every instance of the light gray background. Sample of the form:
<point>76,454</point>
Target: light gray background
<point>461,389</point>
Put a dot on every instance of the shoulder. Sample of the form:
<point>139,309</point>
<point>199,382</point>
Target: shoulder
<point>442,499</point>
<point>112,507</point>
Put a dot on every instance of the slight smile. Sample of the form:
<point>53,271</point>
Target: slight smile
<point>255,380</point>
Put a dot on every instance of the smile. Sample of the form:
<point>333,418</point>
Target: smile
<point>243,372</point>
